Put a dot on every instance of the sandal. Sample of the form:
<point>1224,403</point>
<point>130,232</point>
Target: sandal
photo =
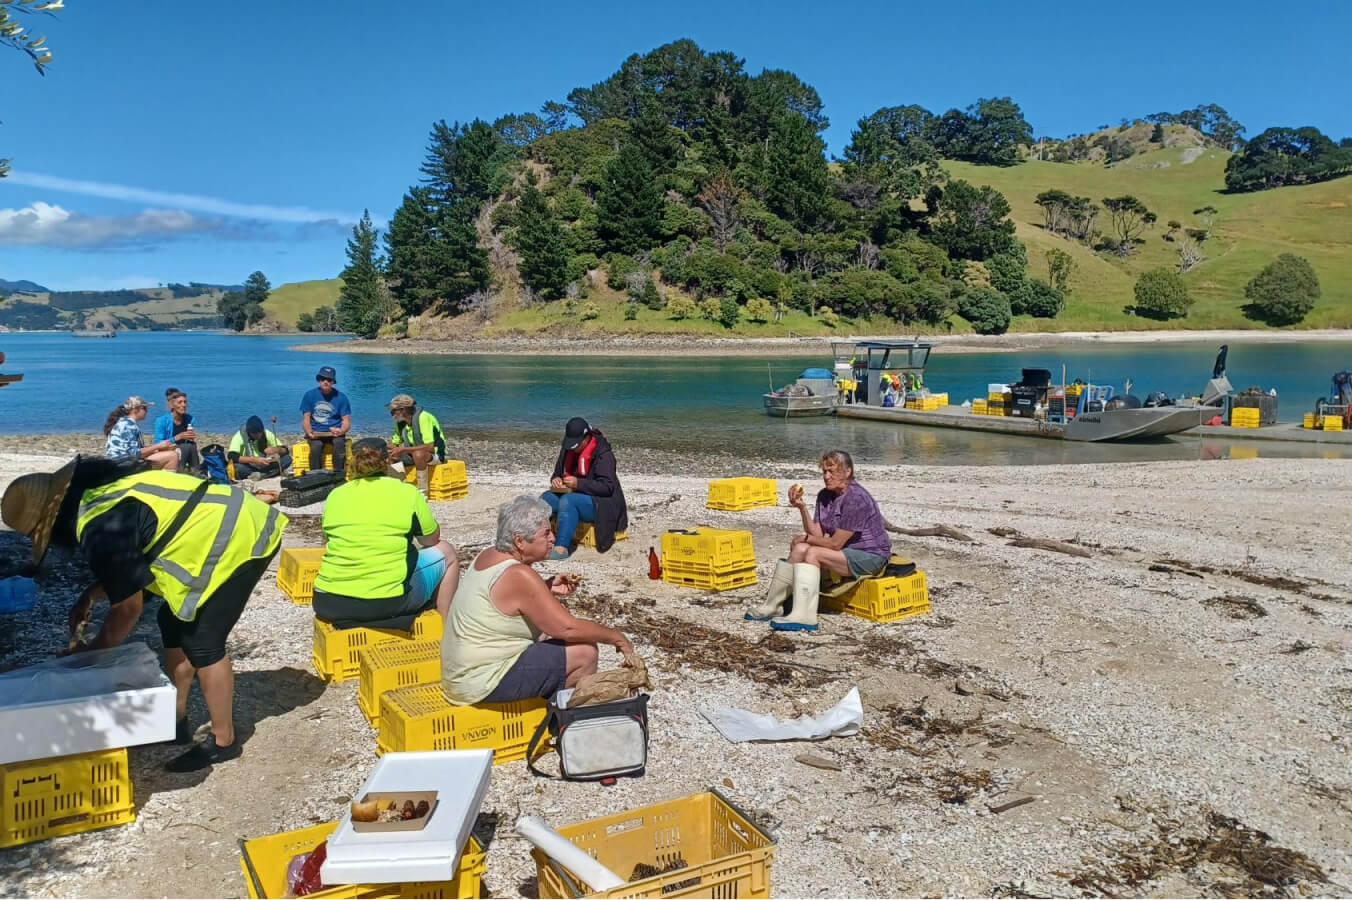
<point>204,755</point>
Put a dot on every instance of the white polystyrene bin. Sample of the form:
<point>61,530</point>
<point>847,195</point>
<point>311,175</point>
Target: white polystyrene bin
<point>99,700</point>
<point>997,388</point>
<point>460,778</point>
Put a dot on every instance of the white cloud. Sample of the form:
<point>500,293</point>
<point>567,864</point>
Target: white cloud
<point>214,205</point>
<point>46,225</point>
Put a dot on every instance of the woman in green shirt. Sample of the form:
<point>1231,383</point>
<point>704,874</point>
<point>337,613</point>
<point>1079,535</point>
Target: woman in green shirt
<point>384,559</point>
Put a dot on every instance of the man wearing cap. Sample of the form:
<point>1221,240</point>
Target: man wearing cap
<point>256,451</point>
<point>417,436</point>
<point>200,547</point>
<point>326,417</point>
<point>585,488</point>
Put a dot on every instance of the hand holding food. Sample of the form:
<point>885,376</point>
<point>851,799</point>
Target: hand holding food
<point>795,495</point>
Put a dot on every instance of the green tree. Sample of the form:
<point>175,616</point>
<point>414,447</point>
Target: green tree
<point>758,310</point>
<point>629,204</point>
<point>729,313</point>
<point>659,143</point>
<point>1284,292</point>
<point>986,309</point>
<point>797,179</point>
<point>235,309</point>
<point>434,255</point>
<point>305,322</point>
<point>1129,218</point>
<point>1008,270</point>
<point>995,132</point>
<point>679,307</point>
<point>326,319</point>
<point>542,244</point>
<point>256,289</point>
<point>465,163</point>
<point>364,300</point>
<point>1036,297</point>
<point>1162,294</point>
<point>970,222</point>
<point>1060,265</point>
<point>1281,156</point>
<point>1157,134</point>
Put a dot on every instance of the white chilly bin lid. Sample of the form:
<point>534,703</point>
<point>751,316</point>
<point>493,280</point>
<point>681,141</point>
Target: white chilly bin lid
<point>460,778</point>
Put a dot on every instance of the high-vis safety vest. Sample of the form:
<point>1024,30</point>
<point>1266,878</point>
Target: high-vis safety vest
<point>418,426</point>
<point>224,531</point>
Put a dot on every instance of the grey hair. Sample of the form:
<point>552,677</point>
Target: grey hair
<point>519,518</point>
<point>837,458</point>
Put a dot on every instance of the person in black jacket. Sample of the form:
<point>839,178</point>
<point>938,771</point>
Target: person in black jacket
<point>585,488</point>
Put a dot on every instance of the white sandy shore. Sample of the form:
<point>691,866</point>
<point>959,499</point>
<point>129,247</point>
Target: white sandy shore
<point>704,346</point>
<point>1117,691</point>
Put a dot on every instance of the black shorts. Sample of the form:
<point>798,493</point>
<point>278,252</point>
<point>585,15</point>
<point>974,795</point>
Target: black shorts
<point>203,639</point>
<point>540,671</point>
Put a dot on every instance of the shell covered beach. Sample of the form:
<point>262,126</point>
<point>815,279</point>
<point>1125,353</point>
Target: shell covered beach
<point>1162,710</point>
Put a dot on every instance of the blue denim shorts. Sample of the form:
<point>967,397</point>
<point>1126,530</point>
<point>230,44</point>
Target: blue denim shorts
<point>427,575</point>
<point>862,563</point>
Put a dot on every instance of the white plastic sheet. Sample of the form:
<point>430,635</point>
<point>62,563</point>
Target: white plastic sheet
<point>737,725</point>
<point>80,675</point>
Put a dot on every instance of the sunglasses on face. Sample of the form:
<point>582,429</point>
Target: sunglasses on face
<point>326,381</point>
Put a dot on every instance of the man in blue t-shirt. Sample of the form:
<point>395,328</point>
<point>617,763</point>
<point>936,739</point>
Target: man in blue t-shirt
<point>326,416</point>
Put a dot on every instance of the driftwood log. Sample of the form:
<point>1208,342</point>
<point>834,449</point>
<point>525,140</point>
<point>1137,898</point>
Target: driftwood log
<point>1019,540</point>
<point>945,531</point>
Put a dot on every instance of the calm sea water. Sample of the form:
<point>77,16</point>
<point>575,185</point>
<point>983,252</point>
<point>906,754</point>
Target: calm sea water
<point>656,402</point>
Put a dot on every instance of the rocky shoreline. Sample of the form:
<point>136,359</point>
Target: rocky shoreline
<point>1163,711</point>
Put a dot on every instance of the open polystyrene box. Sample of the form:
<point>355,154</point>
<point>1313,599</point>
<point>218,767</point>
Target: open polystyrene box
<point>98,700</point>
<point>460,778</point>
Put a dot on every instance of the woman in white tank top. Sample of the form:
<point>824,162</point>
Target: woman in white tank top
<point>507,635</point>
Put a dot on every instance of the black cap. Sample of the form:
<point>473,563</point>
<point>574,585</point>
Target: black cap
<point>254,426</point>
<point>573,433</point>
<point>327,372</point>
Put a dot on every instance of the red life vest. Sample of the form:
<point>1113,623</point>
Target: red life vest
<point>578,462</point>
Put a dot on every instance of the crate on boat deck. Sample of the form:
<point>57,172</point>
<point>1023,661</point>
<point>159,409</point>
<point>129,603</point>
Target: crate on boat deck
<point>296,573</point>
<point>336,655</point>
<point>1307,421</point>
<point>979,407</point>
<point>47,798</point>
<point>695,846</point>
<point>884,599</point>
<point>1244,417</point>
<point>421,718</point>
<point>393,665</point>
<point>264,862</point>
<point>1332,423</point>
<point>742,493</point>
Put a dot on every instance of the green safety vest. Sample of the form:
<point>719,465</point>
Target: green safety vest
<point>246,446</point>
<point>224,531</point>
<point>418,426</point>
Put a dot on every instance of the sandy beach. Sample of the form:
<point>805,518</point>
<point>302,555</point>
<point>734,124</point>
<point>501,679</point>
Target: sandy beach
<point>1176,702</point>
<point>682,345</point>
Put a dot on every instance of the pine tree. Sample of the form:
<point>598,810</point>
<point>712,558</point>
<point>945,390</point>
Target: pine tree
<point>542,244</point>
<point>363,302</point>
<point>797,180</point>
<point>435,258</point>
<point>465,163</point>
<point>629,204</point>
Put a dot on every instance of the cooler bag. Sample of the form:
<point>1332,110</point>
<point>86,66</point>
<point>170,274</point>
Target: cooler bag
<point>595,743</point>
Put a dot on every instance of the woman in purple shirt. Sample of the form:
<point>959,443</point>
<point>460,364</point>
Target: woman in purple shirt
<point>845,534</point>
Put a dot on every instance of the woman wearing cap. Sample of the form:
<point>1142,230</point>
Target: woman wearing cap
<point>507,636</point>
<point>585,488</point>
<point>845,534</point>
<point>125,440</point>
<point>417,436</point>
<point>200,547</point>
<point>384,559</point>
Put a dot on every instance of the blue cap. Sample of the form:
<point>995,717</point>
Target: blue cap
<point>327,372</point>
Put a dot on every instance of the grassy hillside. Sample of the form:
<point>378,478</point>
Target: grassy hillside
<point>290,300</point>
<point>1314,221</point>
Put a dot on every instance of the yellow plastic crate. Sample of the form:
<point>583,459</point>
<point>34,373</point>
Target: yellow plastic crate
<point>1002,399</point>
<point>390,666</point>
<point>264,860</point>
<point>296,573</point>
<point>585,535</point>
<point>421,718</point>
<point>995,409</point>
<point>708,581</point>
<point>300,457</point>
<point>884,599</point>
<point>47,798</point>
<point>725,853</point>
<point>1244,417</point>
<point>1307,421</point>
<point>742,493</point>
<point>1332,423</point>
<point>336,655</point>
<point>979,407</point>
<point>715,550</point>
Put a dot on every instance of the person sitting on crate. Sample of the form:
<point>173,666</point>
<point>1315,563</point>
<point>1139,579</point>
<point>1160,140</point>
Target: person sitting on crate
<point>256,452</point>
<point>326,417</point>
<point>384,559</point>
<point>585,488</point>
<point>417,437</point>
<point>508,637</point>
<point>845,534</point>
<point>176,427</point>
<point>125,440</point>
<point>200,547</point>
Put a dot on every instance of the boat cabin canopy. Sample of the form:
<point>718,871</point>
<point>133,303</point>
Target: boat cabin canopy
<point>878,356</point>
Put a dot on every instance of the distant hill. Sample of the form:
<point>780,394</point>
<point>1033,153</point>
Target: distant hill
<point>288,301</point>
<point>9,287</point>
<point>1249,230</point>
<point>145,309</point>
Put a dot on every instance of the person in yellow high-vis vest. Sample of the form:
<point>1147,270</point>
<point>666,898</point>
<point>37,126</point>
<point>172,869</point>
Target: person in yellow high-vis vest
<point>200,547</point>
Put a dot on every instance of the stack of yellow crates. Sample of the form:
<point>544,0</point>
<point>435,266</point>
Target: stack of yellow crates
<point>336,653</point>
<point>737,494</point>
<point>1307,421</point>
<point>712,559</point>
<point>448,481</point>
<point>978,407</point>
<point>420,718</point>
<point>1332,423</point>
<point>391,666</point>
<point>1244,417</point>
<point>997,404</point>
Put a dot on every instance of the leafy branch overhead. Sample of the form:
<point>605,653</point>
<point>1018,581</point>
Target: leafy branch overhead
<point>16,35</point>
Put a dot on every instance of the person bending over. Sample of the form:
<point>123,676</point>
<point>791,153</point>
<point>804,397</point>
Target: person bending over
<point>508,637</point>
<point>255,451</point>
<point>176,426</point>
<point>845,534</point>
<point>125,440</point>
<point>417,436</point>
<point>585,488</point>
<point>384,559</point>
<point>326,418</point>
<point>201,547</point>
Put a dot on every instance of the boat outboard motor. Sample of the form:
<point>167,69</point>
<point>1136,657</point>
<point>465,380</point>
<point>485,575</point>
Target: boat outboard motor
<point>1158,398</point>
<point>1219,387</point>
<point>1218,371</point>
<point>1123,401</point>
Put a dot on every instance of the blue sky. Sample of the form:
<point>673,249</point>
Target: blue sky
<point>180,141</point>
